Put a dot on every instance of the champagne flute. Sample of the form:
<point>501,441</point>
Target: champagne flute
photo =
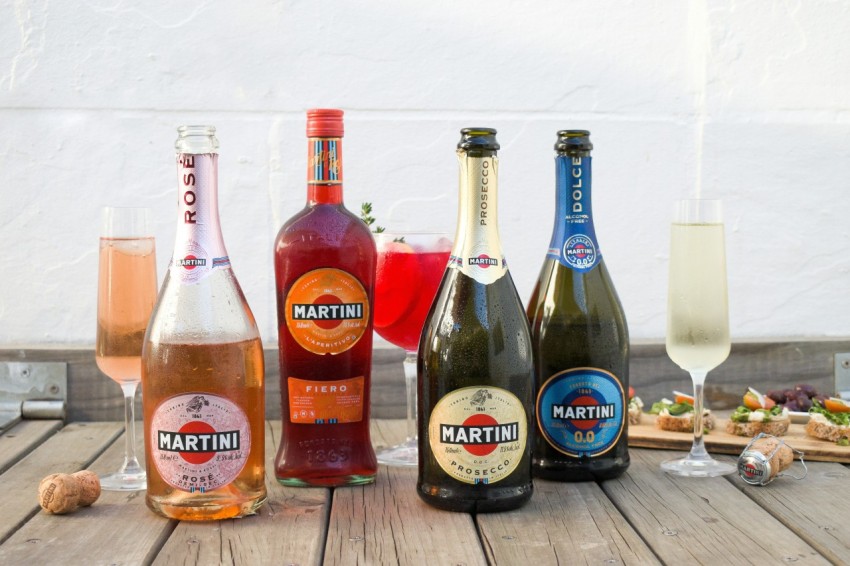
<point>410,268</point>
<point>126,293</point>
<point>697,315</point>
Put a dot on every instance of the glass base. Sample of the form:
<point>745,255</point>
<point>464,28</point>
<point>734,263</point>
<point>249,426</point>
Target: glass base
<point>124,481</point>
<point>697,467</point>
<point>404,454</point>
<point>334,481</point>
<point>186,506</point>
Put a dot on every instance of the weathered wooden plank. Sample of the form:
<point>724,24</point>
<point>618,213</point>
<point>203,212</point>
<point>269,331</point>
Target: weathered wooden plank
<point>117,529</point>
<point>94,397</point>
<point>764,365</point>
<point>701,520</point>
<point>288,529</point>
<point>22,439</point>
<point>71,449</point>
<point>684,521</point>
<point>564,523</point>
<point>387,523</point>
<point>814,508</point>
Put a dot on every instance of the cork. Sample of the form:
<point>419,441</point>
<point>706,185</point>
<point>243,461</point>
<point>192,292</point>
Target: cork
<point>780,461</point>
<point>63,493</point>
<point>59,494</point>
<point>89,486</point>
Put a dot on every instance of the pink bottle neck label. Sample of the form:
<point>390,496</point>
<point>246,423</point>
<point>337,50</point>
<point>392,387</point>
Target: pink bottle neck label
<point>199,247</point>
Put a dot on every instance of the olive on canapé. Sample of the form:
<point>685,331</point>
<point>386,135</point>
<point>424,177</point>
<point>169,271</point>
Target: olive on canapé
<point>809,390</point>
<point>777,395</point>
<point>798,399</point>
<point>804,404</point>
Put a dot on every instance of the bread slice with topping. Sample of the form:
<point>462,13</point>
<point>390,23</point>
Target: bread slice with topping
<point>678,415</point>
<point>758,413</point>
<point>683,423</point>
<point>748,421</point>
<point>752,428</point>
<point>635,410</point>
<point>820,427</point>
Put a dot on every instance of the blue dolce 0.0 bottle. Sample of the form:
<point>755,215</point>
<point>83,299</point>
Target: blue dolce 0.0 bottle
<point>579,337</point>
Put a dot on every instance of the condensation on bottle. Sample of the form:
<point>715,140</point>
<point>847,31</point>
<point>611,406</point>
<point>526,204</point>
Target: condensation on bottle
<point>202,363</point>
<point>475,371</point>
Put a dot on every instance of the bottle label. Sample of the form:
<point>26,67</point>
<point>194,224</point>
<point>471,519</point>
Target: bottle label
<point>754,468</point>
<point>574,241</point>
<point>199,441</point>
<point>581,411</point>
<point>324,161</point>
<point>478,434</point>
<point>477,253</point>
<point>199,247</point>
<point>327,311</point>
<point>326,402</point>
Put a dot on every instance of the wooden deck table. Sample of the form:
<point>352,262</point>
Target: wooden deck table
<point>644,517</point>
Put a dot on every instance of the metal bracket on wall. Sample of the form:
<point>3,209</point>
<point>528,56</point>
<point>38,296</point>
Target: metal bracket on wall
<point>32,390</point>
<point>842,375</point>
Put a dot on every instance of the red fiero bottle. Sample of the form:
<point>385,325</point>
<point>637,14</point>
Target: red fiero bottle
<point>325,262</point>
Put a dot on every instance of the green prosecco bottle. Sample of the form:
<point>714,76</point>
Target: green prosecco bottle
<point>580,338</point>
<point>475,368</point>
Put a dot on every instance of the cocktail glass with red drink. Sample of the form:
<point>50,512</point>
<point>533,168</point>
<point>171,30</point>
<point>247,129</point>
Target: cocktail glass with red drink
<point>410,268</point>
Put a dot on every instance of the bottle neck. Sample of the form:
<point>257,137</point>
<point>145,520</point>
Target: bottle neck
<point>199,246</point>
<point>574,178</point>
<point>324,171</point>
<point>477,249</point>
<point>574,241</point>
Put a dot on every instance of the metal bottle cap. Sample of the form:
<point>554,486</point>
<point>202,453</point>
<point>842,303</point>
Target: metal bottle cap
<point>324,123</point>
<point>754,468</point>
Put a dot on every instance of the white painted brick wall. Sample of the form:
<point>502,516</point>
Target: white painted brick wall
<point>742,100</point>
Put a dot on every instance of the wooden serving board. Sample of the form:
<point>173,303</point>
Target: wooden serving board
<point>647,435</point>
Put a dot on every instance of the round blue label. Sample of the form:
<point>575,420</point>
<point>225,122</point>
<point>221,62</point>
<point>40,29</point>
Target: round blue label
<point>579,252</point>
<point>581,412</point>
<point>574,242</point>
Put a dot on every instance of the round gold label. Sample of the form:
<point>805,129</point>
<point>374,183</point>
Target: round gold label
<point>478,434</point>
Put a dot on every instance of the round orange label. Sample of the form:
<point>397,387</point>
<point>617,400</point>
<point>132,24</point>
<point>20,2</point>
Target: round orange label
<point>327,311</point>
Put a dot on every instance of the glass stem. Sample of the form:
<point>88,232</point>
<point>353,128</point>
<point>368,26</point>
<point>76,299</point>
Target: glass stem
<point>698,449</point>
<point>131,464</point>
<point>410,386</point>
